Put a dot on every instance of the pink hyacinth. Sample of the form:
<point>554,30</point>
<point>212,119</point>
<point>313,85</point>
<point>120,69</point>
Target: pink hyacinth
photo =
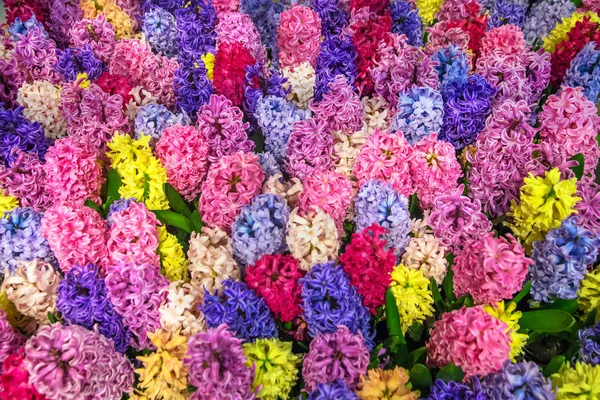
<point>76,234</point>
<point>508,74</point>
<point>36,56</point>
<point>385,157</point>
<point>338,355</point>
<point>498,166</point>
<point>225,6</point>
<point>506,39</point>
<point>471,339</point>
<point>236,27</point>
<point>569,120</point>
<point>12,80</point>
<point>455,219</point>
<point>298,36</point>
<point>73,171</point>
<point>133,237</point>
<point>589,206</point>
<point>183,152</point>
<point>549,156</point>
<point>25,179</point>
<point>538,73</point>
<point>434,168</point>
<point>340,108</point>
<point>97,33</point>
<point>328,190</point>
<point>230,184</point>
<point>10,339</point>
<point>137,291</point>
<point>490,269</point>
<point>400,67</point>
<point>440,36</point>
<point>456,9</point>
<point>222,126</point>
<point>309,149</point>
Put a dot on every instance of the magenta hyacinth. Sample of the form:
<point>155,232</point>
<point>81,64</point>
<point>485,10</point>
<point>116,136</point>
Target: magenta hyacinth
<point>25,179</point>
<point>10,339</point>
<point>309,149</point>
<point>340,108</point>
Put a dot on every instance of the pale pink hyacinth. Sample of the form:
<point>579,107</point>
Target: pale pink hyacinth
<point>340,108</point>
<point>41,103</point>
<point>10,339</point>
<point>133,237</point>
<point>222,126</point>
<point>97,33</point>
<point>471,339</point>
<point>506,39</point>
<point>330,191</point>
<point>76,234</point>
<point>455,219</point>
<point>346,149</point>
<point>25,179</point>
<point>439,36</point>
<point>435,169</point>
<point>400,67</point>
<point>427,255</point>
<point>310,148</point>
<point>301,80</point>
<point>290,190</point>
<point>137,291</point>
<point>211,260</point>
<point>180,312</point>
<point>183,152</point>
<point>490,269</point>
<point>589,206</point>
<point>32,288</point>
<point>376,113</point>
<point>312,238</point>
<point>237,27</point>
<point>298,36</point>
<point>73,171</point>
<point>230,184</point>
<point>386,157</point>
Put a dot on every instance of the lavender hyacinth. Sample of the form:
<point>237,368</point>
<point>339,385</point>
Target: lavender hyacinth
<point>265,16</point>
<point>258,84</point>
<point>406,21</point>
<point>420,113</point>
<point>16,132</point>
<point>523,380</point>
<point>543,17</point>
<point>332,391</point>
<point>589,344</point>
<point>153,119</point>
<point>585,71</point>
<point>337,57</point>
<point>161,32</point>
<point>507,12</point>
<point>21,238</point>
<point>72,62</point>
<point>269,164</point>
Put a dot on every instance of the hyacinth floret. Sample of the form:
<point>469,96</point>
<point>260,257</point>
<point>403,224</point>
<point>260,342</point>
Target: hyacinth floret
<point>420,113</point>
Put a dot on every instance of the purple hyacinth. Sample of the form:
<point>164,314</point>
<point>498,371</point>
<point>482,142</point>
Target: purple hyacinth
<point>441,390</point>
<point>63,15</point>
<point>72,62</point>
<point>83,300</point>
<point>465,110</point>
<point>241,309</point>
<point>337,57</point>
<point>452,66</point>
<point>160,29</point>
<point>269,164</point>
<point>16,132</point>
<point>506,12</point>
<point>265,16</point>
<point>332,391</point>
<point>517,381</point>
<point>334,15</point>
<point>585,71</point>
<point>328,301</point>
<point>257,85</point>
<point>169,5</point>
<point>589,344</point>
<point>192,88</point>
<point>406,21</point>
<point>196,29</point>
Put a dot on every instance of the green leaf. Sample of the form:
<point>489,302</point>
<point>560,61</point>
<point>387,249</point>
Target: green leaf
<point>448,284</point>
<point>52,318</point>
<point>554,365</point>
<point>416,356</point>
<point>196,221</point>
<point>113,184</point>
<point>524,292</point>
<point>450,373</point>
<point>176,201</point>
<point>589,321</point>
<point>415,207</point>
<point>392,317</point>
<point>569,306</point>
<point>577,3</point>
<point>420,377</point>
<point>437,297</point>
<point>548,321</point>
<point>94,206</point>
<point>578,169</point>
<point>396,345</point>
<point>173,219</point>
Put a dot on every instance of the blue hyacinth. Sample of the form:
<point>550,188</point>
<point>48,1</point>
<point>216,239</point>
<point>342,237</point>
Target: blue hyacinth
<point>420,113</point>
<point>21,238</point>
<point>72,62</point>
<point>260,228</point>
<point>18,28</point>
<point>377,202</point>
<point>196,29</point>
<point>506,12</point>
<point>585,72</point>
<point>589,344</point>
<point>328,300</point>
<point>241,309</point>
<point>452,66</point>
<point>258,84</point>
<point>335,390</point>
<point>441,390</point>
<point>160,29</point>
<point>523,380</point>
<point>337,57</point>
<point>16,132</point>
<point>561,261</point>
<point>265,16</point>
<point>543,17</point>
<point>169,5</point>
<point>406,20</point>
<point>152,119</point>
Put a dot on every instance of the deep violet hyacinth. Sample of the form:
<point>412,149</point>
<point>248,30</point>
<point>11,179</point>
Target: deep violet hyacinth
<point>589,344</point>
<point>72,62</point>
<point>523,380</point>
<point>332,391</point>
<point>337,57</point>
<point>16,132</point>
<point>406,21</point>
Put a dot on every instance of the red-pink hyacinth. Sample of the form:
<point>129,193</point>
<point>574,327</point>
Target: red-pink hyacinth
<point>385,157</point>
<point>490,269</point>
<point>340,108</point>
<point>230,184</point>
<point>76,234</point>
<point>97,33</point>
<point>471,339</point>
<point>310,148</point>
<point>503,149</point>
<point>338,355</point>
<point>133,237</point>
<point>328,190</point>
<point>137,291</point>
<point>455,219</point>
<point>570,120</point>
<point>14,381</point>
<point>183,152</point>
<point>236,27</point>
<point>222,126</point>
<point>400,67</point>
<point>506,39</point>
<point>298,36</point>
<point>25,179</point>
<point>73,171</point>
<point>10,339</point>
<point>435,169</point>
<point>225,6</point>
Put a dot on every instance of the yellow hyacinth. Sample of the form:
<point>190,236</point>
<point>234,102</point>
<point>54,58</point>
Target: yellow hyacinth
<point>142,174</point>
<point>428,9</point>
<point>544,203</point>
<point>413,296</point>
<point>510,317</point>
<point>209,63</point>
<point>276,367</point>
<point>589,294</point>
<point>382,384</point>
<point>84,82</point>
<point>172,259</point>
<point>163,375</point>
<point>560,31</point>
<point>114,14</point>
<point>578,382</point>
<point>7,202</point>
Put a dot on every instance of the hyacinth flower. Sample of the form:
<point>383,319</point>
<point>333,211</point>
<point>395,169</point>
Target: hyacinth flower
<point>72,62</point>
<point>576,380</point>
<point>379,383</point>
<point>192,87</point>
<point>420,113</point>
<point>160,29</point>
<point>584,71</point>
<point>337,57</point>
<point>452,65</point>
<point>406,21</point>
<point>334,16</point>
<point>195,26</point>
<point>152,119</point>
<point>16,132</point>
<point>340,107</point>
<point>24,180</point>
<point>298,36</point>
